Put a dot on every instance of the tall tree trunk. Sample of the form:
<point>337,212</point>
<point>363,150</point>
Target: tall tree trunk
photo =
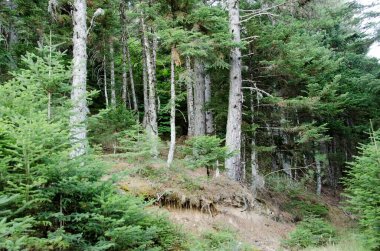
<point>124,39</point>
<point>209,116</point>
<point>49,106</point>
<point>12,34</point>
<point>145,84</point>
<point>318,164</point>
<point>125,93</point>
<point>154,56</point>
<point>78,116</point>
<point>131,79</point>
<point>199,99</point>
<point>105,80</point>
<point>50,68</point>
<point>254,159</point>
<point>172,110</point>
<point>190,97</point>
<point>233,133</point>
<point>152,127</point>
<point>244,159</point>
<point>112,69</point>
<point>285,159</point>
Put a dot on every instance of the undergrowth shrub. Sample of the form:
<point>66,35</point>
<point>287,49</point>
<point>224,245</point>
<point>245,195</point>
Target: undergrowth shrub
<point>221,239</point>
<point>312,231</point>
<point>205,151</point>
<point>106,126</point>
<point>281,183</point>
<point>134,143</point>
<point>305,208</point>
<point>49,201</point>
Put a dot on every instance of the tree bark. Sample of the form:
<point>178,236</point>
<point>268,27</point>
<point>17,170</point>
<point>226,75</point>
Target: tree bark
<point>145,84</point>
<point>190,98</point>
<point>254,159</point>
<point>49,106</point>
<point>125,92</point>
<point>172,110</point>
<point>78,116</point>
<point>126,58</point>
<point>199,99</point>
<point>112,69</point>
<point>152,128</point>
<point>286,160</point>
<point>233,133</point>
<point>105,80</point>
<point>131,79</point>
<point>318,164</point>
<point>209,115</point>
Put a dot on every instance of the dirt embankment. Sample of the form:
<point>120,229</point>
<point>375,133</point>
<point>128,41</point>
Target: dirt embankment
<point>199,204</point>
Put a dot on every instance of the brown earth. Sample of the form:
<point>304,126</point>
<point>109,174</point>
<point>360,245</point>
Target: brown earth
<point>198,204</point>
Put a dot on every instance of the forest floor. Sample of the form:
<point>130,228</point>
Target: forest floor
<point>198,204</point>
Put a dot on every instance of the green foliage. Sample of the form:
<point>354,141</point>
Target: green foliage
<point>221,239</point>
<point>135,143</point>
<point>50,201</point>
<point>362,189</point>
<point>105,127</point>
<point>303,208</point>
<point>347,242</point>
<point>205,151</point>
<point>311,232</point>
<point>283,183</point>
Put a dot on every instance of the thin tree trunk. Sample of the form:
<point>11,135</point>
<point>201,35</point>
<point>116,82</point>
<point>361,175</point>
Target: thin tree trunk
<point>286,160</point>
<point>125,93</point>
<point>124,39</point>
<point>199,99</point>
<point>318,164</point>
<point>49,92</point>
<point>233,132</point>
<point>78,116</point>
<point>152,127</point>
<point>131,79</point>
<point>112,69</point>
<point>154,56</point>
<point>49,106</point>
<point>172,110</point>
<point>190,98</point>
<point>243,157</point>
<point>12,34</point>
<point>105,80</point>
<point>254,159</point>
<point>209,116</point>
<point>145,85</point>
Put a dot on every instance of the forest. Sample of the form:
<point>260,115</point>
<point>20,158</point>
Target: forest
<point>193,125</point>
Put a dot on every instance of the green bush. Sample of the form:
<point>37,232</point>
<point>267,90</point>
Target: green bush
<point>311,232</point>
<point>301,209</point>
<point>221,239</point>
<point>281,183</point>
<point>106,126</point>
<point>363,183</point>
<point>50,201</point>
<point>205,151</point>
<point>135,143</point>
